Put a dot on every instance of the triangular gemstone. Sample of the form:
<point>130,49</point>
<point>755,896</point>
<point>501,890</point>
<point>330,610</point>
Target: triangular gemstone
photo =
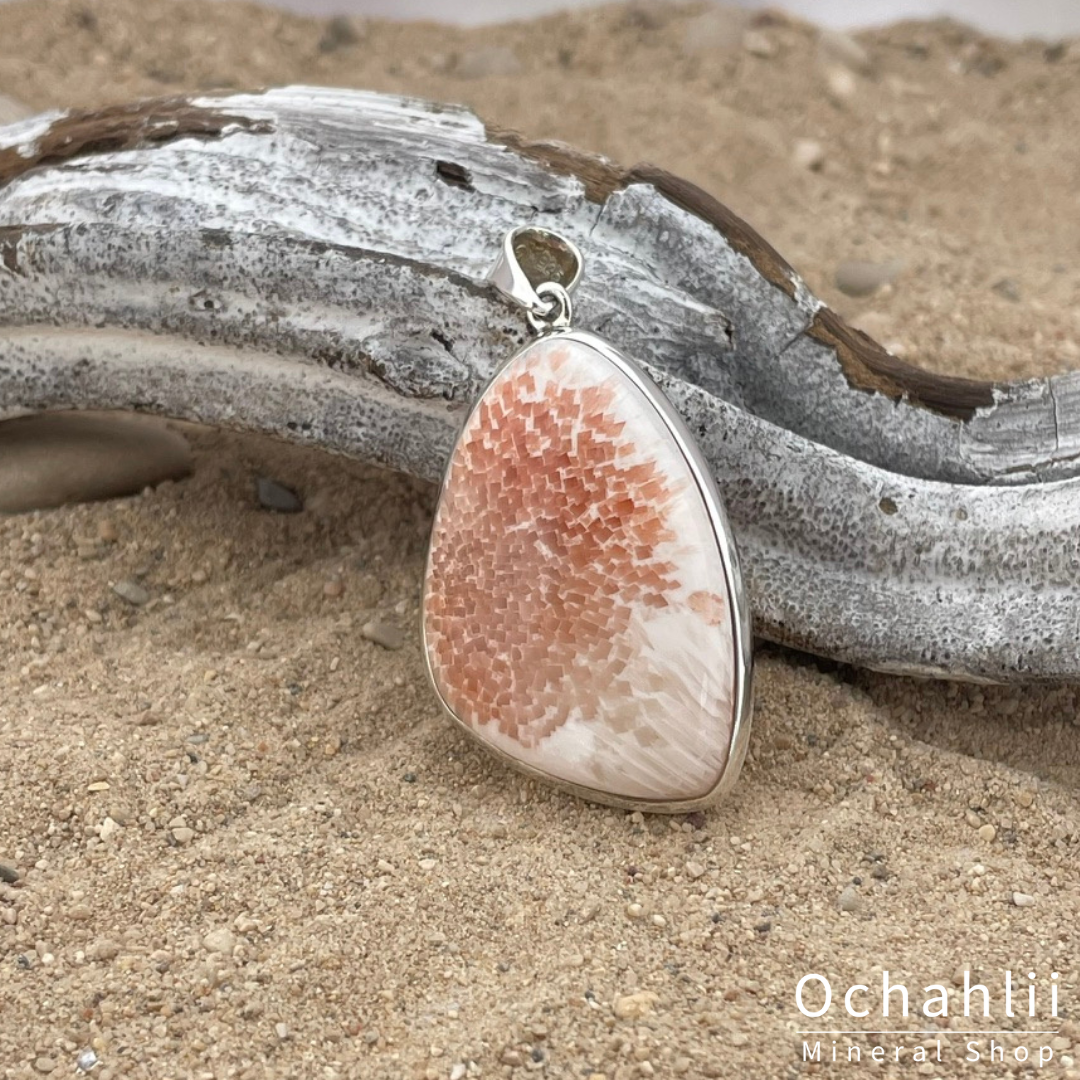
<point>579,615</point>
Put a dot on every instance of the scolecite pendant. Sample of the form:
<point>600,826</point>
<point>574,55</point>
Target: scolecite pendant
<point>583,613</point>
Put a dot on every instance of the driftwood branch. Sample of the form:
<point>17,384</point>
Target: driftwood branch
<point>309,263</point>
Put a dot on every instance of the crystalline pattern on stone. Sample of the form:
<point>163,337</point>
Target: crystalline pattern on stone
<point>576,614</point>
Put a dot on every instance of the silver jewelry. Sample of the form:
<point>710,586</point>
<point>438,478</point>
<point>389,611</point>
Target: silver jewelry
<point>583,614</point>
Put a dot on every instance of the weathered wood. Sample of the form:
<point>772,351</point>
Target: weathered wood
<point>310,263</point>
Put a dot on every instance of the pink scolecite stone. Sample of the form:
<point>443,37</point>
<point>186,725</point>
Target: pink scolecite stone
<point>576,611</point>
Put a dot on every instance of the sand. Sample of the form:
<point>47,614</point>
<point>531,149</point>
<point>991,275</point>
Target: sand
<point>246,842</point>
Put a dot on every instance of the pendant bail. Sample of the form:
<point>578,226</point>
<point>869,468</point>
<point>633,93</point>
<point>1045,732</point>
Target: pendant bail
<point>538,269</point>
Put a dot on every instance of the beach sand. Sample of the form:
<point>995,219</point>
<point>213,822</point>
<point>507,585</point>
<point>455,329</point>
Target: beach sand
<point>247,842</point>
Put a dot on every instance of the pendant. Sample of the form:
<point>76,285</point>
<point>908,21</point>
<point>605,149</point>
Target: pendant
<point>583,614</point>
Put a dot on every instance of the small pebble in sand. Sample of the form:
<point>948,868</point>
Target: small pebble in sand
<point>383,633</point>
<point>1020,899</point>
<point>221,940</point>
<point>861,277</point>
<point>1025,798</point>
<point>334,588</point>
<point>107,531</point>
<point>340,32</point>
<point>694,870</point>
<point>44,1064</point>
<point>1008,289</point>
<point>987,833</point>
<point>183,835</point>
<point>758,44</point>
<point>808,154</point>
<point>105,949</point>
<point>840,85</point>
<point>850,900</point>
<point>54,458</point>
<point>277,497</point>
<point>634,1006</point>
<point>86,1061</point>
<point>841,48</point>
<point>131,591</point>
<point>8,874</point>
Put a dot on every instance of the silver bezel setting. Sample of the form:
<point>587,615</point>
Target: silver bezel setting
<point>741,626</point>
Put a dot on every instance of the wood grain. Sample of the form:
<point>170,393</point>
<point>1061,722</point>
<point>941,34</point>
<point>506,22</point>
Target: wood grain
<point>310,263</point>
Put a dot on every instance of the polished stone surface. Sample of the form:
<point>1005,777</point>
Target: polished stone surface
<point>576,612</point>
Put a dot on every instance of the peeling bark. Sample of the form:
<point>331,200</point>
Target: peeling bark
<point>118,127</point>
